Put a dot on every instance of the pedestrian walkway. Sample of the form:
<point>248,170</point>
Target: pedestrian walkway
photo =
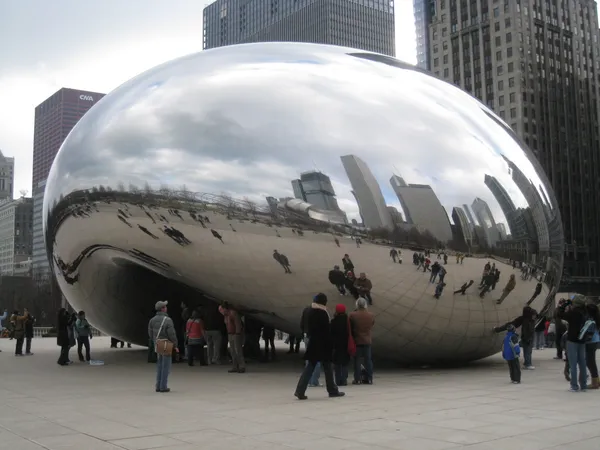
<point>112,407</point>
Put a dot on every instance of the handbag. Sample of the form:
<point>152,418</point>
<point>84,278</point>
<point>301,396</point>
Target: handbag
<point>351,342</point>
<point>163,347</point>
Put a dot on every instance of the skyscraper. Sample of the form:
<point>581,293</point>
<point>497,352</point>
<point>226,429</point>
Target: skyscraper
<point>7,176</point>
<point>362,24</point>
<point>316,188</point>
<point>15,233</point>
<point>486,221</point>
<point>55,117</point>
<point>367,192</point>
<point>465,231</point>
<point>422,208</point>
<point>424,11</point>
<point>537,65</point>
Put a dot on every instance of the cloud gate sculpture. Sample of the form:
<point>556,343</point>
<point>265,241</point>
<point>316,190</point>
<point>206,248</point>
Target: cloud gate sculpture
<point>246,173</point>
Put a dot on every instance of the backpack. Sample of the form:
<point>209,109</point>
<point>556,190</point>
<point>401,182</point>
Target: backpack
<point>587,330</point>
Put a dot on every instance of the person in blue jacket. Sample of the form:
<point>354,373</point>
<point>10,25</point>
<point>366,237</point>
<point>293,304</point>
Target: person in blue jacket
<point>511,352</point>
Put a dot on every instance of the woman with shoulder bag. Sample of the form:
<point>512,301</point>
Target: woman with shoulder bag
<point>194,333</point>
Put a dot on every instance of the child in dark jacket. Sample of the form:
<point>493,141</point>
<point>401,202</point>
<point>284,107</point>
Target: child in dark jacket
<point>511,352</point>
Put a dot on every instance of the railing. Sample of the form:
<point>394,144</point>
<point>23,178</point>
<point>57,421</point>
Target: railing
<point>39,332</point>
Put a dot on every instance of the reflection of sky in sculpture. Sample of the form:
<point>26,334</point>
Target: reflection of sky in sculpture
<point>220,122</point>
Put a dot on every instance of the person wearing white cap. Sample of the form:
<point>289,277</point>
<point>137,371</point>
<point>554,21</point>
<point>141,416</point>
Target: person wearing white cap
<point>161,331</point>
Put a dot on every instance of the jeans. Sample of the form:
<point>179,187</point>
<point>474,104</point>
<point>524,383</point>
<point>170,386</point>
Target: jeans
<point>540,340</point>
<point>514,370</point>
<point>19,346</point>
<point>237,351</point>
<point>213,345</point>
<point>63,359</point>
<point>195,351</point>
<point>433,277</point>
<point>527,350</point>
<point>28,345</point>
<point>576,352</point>
<point>163,368</point>
<point>590,359</point>
<point>364,352</point>
<point>83,341</point>
<point>308,373</point>
<point>341,374</point>
<point>314,379</point>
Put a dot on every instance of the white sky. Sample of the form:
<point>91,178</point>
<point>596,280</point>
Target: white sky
<point>97,45</point>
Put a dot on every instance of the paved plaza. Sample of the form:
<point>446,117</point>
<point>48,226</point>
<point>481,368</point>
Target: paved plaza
<point>111,407</point>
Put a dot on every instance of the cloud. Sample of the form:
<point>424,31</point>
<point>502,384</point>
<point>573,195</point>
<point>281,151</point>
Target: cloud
<point>223,122</point>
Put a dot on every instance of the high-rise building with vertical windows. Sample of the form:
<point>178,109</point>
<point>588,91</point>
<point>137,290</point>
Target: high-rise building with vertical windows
<point>55,117</point>
<point>536,63</point>
<point>362,24</point>
<point>7,176</point>
<point>424,11</point>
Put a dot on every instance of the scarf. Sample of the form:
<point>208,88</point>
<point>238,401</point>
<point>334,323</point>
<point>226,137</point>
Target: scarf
<point>321,307</point>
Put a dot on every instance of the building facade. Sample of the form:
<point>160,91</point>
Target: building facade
<point>536,64</point>
<point>362,24</point>
<point>55,117</point>
<point>422,208</point>
<point>486,221</point>
<point>367,192</point>
<point>7,177</point>
<point>424,11</point>
<point>16,227</point>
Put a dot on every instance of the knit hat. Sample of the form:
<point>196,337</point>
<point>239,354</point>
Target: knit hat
<point>320,298</point>
<point>340,309</point>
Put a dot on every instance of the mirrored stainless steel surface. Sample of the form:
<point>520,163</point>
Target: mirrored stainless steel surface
<point>246,173</point>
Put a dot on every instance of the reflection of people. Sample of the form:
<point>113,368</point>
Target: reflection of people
<point>536,292</point>
<point>318,349</point>
<point>464,288</point>
<point>336,277</point>
<point>347,262</point>
<point>364,286</point>
<point>394,254</point>
<point>510,285</point>
<point>217,235</point>
<point>283,260</point>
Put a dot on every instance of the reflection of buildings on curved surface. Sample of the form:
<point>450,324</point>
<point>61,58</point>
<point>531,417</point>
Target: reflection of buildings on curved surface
<point>422,208</point>
<point>486,221</point>
<point>315,188</point>
<point>369,197</point>
<point>464,231</point>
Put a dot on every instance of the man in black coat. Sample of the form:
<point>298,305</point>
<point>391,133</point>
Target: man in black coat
<point>319,348</point>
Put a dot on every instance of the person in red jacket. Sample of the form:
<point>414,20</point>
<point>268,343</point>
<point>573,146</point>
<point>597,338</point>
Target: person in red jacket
<point>194,334</point>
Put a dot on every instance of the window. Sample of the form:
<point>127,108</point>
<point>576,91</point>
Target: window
<point>512,97</point>
<point>509,52</point>
<point>436,62</point>
<point>435,48</point>
<point>446,72</point>
<point>511,67</point>
<point>511,82</point>
<point>508,37</point>
<point>445,45</point>
<point>499,70</point>
<point>501,100</point>
<point>502,115</point>
<point>497,26</point>
<point>498,41</point>
<point>507,22</point>
<point>496,11</point>
<point>445,59</point>
<point>499,56</point>
<point>444,31</point>
<point>501,85</point>
<point>513,113</point>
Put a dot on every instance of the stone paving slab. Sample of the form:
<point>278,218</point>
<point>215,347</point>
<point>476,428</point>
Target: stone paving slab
<point>112,407</point>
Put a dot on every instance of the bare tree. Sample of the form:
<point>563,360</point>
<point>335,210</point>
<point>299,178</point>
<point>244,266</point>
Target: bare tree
<point>133,189</point>
<point>120,186</point>
<point>250,206</point>
<point>165,191</point>
<point>147,188</point>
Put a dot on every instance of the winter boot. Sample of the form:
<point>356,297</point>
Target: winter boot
<point>595,383</point>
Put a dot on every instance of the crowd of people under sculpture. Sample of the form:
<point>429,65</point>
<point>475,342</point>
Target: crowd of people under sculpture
<point>331,343</point>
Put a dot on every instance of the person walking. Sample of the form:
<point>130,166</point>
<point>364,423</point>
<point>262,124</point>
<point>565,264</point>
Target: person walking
<point>362,322</point>
<point>575,313</point>
<point>62,337</point>
<point>318,349</point>
<point>29,323</point>
<point>341,334</point>
<point>161,331</point>
<point>591,346</point>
